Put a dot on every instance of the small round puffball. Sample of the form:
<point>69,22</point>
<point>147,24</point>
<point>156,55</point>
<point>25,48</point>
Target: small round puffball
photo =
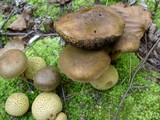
<point>34,64</point>
<point>17,104</point>
<point>107,80</point>
<point>61,116</point>
<point>46,106</point>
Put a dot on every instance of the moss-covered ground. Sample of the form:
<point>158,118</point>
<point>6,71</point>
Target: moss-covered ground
<point>80,100</point>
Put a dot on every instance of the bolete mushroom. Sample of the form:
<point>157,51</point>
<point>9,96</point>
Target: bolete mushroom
<point>34,64</point>
<point>17,104</point>
<point>13,43</point>
<point>83,65</point>
<point>91,28</point>
<point>47,79</point>
<point>137,21</point>
<point>12,63</point>
<point>61,116</point>
<point>106,81</point>
<point>46,106</point>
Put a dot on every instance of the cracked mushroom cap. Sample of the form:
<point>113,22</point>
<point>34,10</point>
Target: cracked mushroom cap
<point>33,65</point>
<point>47,79</point>
<point>12,63</point>
<point>17,104</point>
<point>83,65</point>
<point>91,28</point>
<point>106,81</point>
<point>137,21</point>
<point>46,106</point>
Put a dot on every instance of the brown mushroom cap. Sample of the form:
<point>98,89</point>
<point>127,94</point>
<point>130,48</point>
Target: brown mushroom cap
<point>47,79</point>
<point>90,28</point>
<point>106,81</point>
<point>127,43</point>
<point>12,63</point>
<point>14,43</point>
<point>137,21</point>
<point>83,65</point>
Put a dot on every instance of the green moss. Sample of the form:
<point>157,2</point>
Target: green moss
<point>44,9</point>
<point>46,48</point>
<point>79,3</point>
<point>1,20</point>
<point>151,7</point>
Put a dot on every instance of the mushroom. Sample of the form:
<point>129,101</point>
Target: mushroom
<point>107,80</point>
<point>17,104</point>
<point>61,116</point>
<point>137,21</point>
<point>47,79</point>
<point>12,63</point>
<point>83,65</point>
<point>13,43</point>
<point>91,28</point>
<point>34,64</point>
<point>46,106</point>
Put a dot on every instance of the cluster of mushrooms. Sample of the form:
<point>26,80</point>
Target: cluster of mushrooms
<point>96,36</point>
<point>14,63</point>
<point>46,106</point>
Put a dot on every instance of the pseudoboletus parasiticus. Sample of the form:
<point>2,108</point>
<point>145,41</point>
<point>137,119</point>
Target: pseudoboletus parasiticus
<point>12,63</point>
<point>90,28</point>
<point>83,65</point>
<point>137,21</point>
<point>47,79</point>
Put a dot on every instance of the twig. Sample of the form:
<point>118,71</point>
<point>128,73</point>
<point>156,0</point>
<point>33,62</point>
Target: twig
<point>13,34</point>
<point>12,12</point>
<point>63,93</point>
<point>24,34</point>
<point>132,79</point>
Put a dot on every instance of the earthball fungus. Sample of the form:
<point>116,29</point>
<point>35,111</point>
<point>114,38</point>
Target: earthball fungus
<point>46,106</point>
<point>34,64</point>
<point>17,104</point>
<point>12,63</point>
<point>83,65</point>
<point>47,79</point>
<point>61,116</point>
<point>90,28</point>
<point>107,80</point>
